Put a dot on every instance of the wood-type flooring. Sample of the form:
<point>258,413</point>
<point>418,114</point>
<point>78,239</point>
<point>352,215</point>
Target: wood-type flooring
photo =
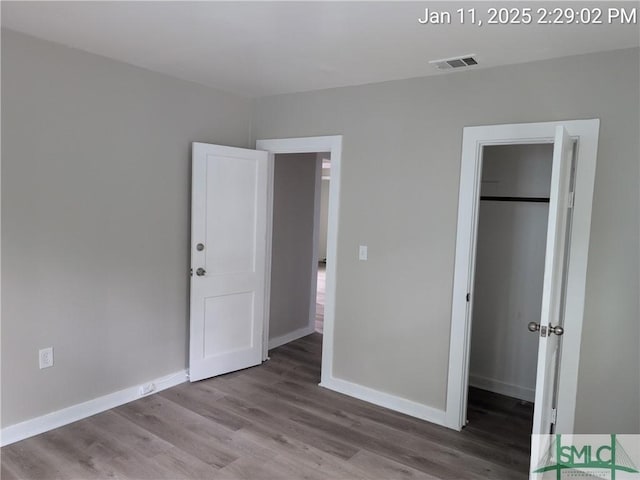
<point>274,422</point>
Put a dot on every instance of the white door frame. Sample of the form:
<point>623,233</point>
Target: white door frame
<point>585,132</point>
<point>332,144</point>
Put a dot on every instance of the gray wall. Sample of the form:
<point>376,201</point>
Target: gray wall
<point>294,187</point>
<point>95,220</point>
<point>510,269</point>
<point>399,194</point>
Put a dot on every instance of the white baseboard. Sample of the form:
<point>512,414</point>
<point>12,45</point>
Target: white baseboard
<point>386,400</point>
<point>503,388</point>
<point>291,336</point>
<point>44,423</point>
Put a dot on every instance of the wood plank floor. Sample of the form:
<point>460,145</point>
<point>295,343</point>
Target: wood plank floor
<point>274,422</point>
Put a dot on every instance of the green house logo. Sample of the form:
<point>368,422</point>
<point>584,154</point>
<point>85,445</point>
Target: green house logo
<point>587,459</point>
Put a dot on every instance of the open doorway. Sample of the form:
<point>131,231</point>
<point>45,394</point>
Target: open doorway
<point>299,245</point>
<point>232,226</point>
<point>331,145</point>
<point>509,274</point>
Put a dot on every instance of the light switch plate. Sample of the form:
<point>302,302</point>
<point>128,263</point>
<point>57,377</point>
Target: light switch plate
<point>362,254</point>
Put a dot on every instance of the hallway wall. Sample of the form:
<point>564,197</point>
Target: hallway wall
<point>292,245</point>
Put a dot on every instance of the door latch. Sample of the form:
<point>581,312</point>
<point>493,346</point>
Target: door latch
<point>535,327</point>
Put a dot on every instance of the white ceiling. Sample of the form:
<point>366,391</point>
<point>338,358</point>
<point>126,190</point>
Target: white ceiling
<point>265,48</point>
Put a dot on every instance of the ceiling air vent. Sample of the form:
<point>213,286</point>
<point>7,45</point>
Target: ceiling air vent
<point>455,62</point>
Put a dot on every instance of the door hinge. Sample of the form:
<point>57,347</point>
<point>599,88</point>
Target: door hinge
<point>571,199</point>
<point>468,297</point>
<point>554,415</point>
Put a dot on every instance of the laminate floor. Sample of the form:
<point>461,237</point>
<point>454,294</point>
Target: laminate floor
<point>274,422</point>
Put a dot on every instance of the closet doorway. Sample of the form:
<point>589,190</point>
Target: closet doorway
<point>558,329</point>
<point>509,274</point>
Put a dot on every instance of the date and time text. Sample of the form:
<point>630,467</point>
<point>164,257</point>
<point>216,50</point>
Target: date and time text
<point>526,16</point>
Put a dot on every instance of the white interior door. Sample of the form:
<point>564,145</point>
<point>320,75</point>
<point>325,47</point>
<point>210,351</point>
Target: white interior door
<point>228,259</point>
<point>551,315</point>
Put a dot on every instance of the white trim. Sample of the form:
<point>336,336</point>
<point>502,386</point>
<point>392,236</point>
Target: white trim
<point>386,400</point>
<point>291,336</point>
<point>44,423</point>
<point>503,388</point>
<point>332,144</point>
<point>474,138</point>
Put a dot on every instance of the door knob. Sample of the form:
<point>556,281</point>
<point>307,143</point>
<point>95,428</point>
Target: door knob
<point>533,326</point>
<point>558,330</point>
<point>200,272</point>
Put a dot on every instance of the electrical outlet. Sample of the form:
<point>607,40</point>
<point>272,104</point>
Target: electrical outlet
<point>45,357</point>
<point>362,252</point>
<point>147,388</point>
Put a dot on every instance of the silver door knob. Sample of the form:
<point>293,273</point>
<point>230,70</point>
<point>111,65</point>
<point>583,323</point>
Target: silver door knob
<point>533,326</point>
<point>200,272</point>
<point>558,330</point>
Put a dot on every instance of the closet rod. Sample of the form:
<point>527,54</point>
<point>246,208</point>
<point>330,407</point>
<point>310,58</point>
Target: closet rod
<point>516,199</point>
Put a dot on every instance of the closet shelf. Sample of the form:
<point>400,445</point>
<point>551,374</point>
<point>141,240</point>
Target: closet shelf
<point>516,199</point>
